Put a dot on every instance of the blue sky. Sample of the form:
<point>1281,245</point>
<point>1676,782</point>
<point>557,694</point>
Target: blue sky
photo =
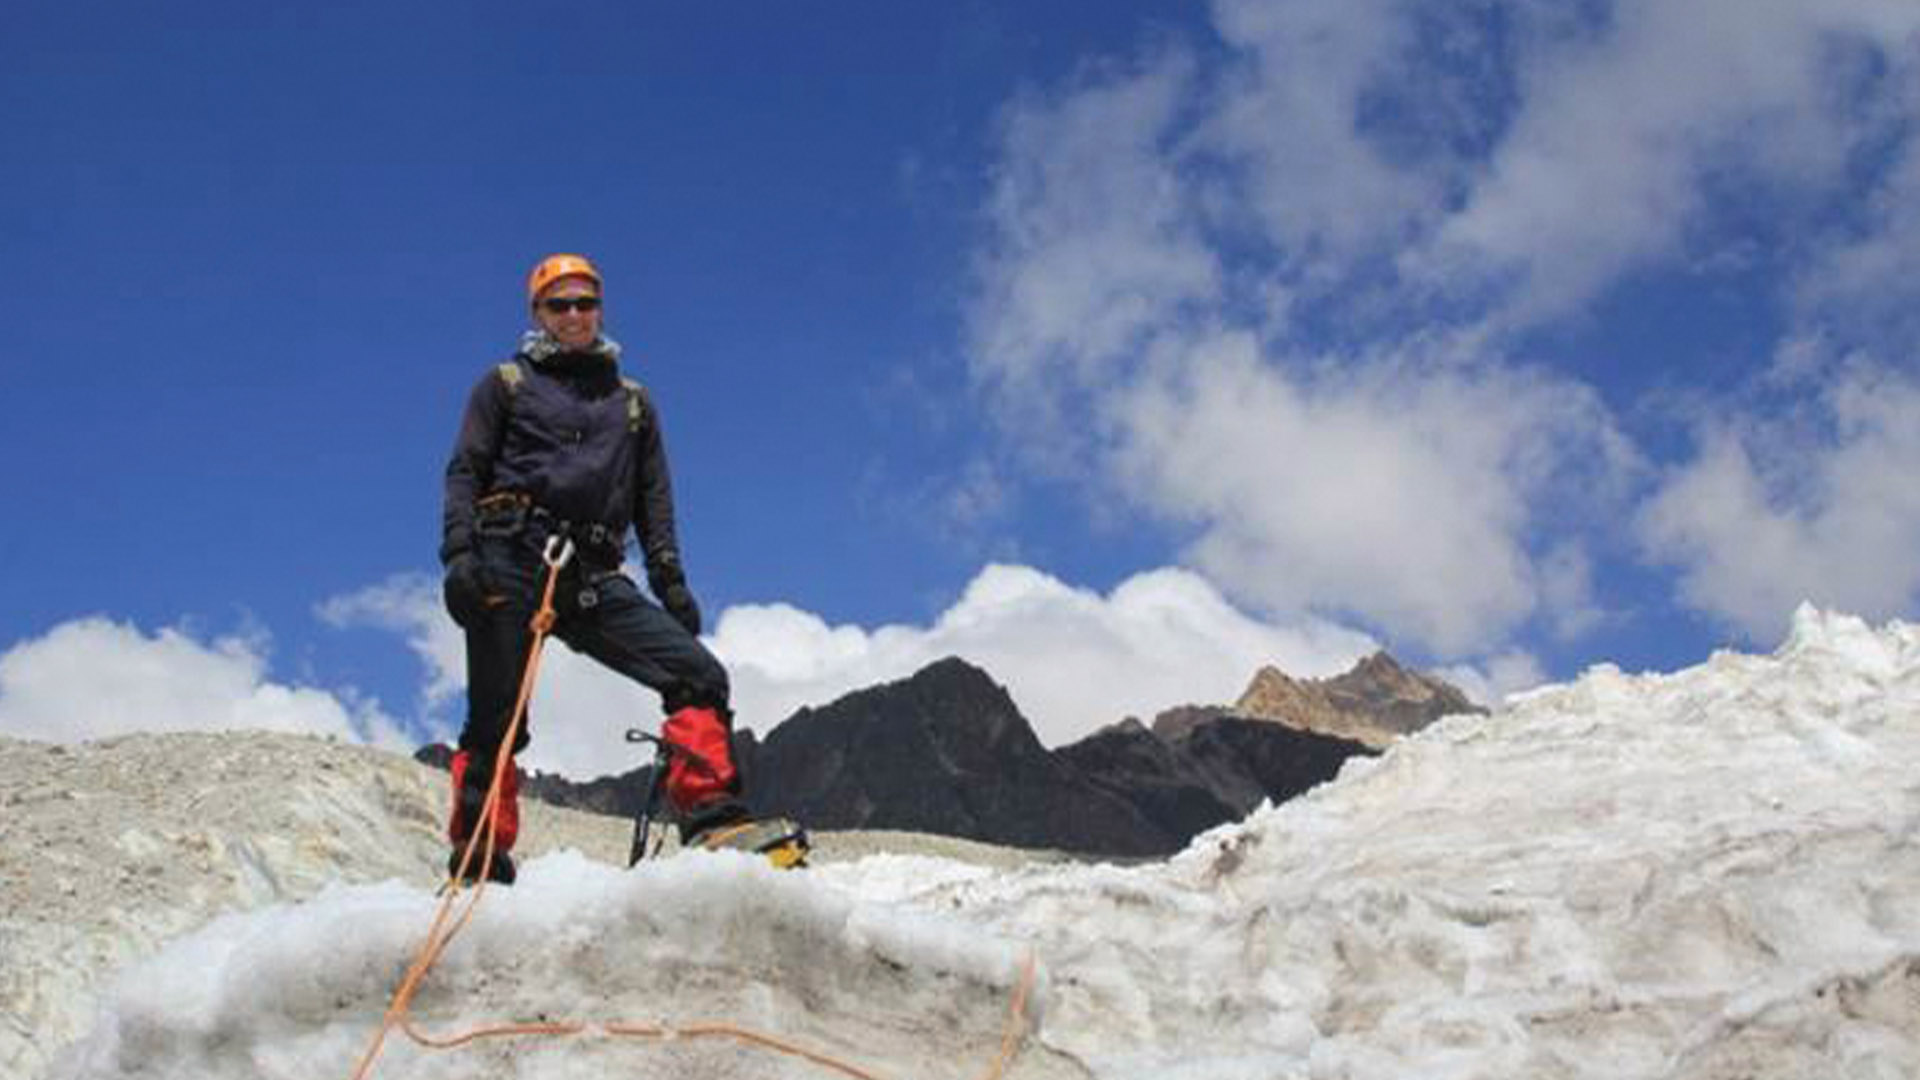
<point>1513,337</point>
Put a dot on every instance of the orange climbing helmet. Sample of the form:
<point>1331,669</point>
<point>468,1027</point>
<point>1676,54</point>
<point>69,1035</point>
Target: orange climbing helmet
<point>554,267</point>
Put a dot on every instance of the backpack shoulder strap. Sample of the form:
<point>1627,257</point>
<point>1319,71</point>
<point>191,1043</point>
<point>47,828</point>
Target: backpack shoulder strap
<point>636,403</point>
<point>512,374</point>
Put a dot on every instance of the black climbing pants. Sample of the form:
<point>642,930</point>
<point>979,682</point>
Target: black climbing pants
<point>599,612</point>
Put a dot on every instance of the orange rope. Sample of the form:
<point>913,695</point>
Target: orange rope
<point>729,1031</point>
<point>1009,1040</point>
<point>440,934</point>
<point>1016,1023</point>
<point>558,1029</point>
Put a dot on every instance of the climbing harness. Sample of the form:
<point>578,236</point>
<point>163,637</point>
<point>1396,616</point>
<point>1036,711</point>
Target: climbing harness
<point>509,513</point>
<point>558,552</point>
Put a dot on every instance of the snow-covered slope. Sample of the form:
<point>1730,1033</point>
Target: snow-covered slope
<point>110,849</point>
<point>1711,874</point>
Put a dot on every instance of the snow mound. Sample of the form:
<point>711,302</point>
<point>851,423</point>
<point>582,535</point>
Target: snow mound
<point>1712,874</point>
<point>722,938</point>
<point>1707,875</point>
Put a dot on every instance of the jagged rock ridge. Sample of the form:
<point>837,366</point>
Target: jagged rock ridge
<point>944,751</point>
<point>1374,703</point>
<point>947,751</point>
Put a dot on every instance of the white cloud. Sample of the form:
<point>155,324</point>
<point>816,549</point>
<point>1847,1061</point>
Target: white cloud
<point>1536,149</point>
<point>1073,659</point>
<point>409,605</point>
<point>1284,115</point>
<point>1489,683</point>
<point>1174,243</point>
<point>1864,286</point>
<point>93,678</point>
<point>1404,494</point>
<point>1072,283</point>
<point>1770,513</point>
<point>1604,164</point>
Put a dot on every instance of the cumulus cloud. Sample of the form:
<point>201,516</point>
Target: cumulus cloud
<point>1489,683</point>
<point>1623,132</point>
<point>1271,286</point>
<point>1075,281</point>
<point>1399,494</point>
<point>1404,486</point>
<point>1863,285</point>
<point>93,678</point>
<point>1073,659</point>
<point>1289,120</point>
<point>1819,507</point>
<point>409,605</point>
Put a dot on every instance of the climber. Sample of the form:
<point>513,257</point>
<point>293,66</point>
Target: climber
<point>558,442</point>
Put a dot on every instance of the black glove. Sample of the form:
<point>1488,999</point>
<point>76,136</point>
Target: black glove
<point>465,588</point>
<point>670,586</point>
<point>679,604</point>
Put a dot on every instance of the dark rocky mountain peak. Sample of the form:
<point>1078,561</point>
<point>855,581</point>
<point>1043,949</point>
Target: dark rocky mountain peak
<point>955,708</point>
<point>1126,727</point>
<point>1177,721</point>
<point>945,750</point>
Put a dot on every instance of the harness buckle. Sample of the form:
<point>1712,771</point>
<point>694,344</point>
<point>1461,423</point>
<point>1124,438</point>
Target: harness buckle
<point>503,513</point>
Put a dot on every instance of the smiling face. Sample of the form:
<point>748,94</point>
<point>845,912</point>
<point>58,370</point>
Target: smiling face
<point>559,311</point>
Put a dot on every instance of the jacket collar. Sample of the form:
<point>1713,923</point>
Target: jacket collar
<point>542,350</point>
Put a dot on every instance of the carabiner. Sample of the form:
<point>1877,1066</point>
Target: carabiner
<point>559,551</point>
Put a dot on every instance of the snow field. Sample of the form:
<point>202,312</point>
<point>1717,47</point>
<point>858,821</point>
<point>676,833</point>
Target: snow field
<point>1708,875</point>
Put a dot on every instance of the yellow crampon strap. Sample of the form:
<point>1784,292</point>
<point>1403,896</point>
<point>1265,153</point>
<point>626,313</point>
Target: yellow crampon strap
<point>786,855</point>
<point>780,841</point>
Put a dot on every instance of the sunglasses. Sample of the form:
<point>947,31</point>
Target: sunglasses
<point>560,305</point>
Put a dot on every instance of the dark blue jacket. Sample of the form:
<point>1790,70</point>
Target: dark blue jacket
<point>583,444</point>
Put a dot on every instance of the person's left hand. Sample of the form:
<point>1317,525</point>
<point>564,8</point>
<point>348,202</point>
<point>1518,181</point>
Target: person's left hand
<point>669,585</point>
<point>680,604</point>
